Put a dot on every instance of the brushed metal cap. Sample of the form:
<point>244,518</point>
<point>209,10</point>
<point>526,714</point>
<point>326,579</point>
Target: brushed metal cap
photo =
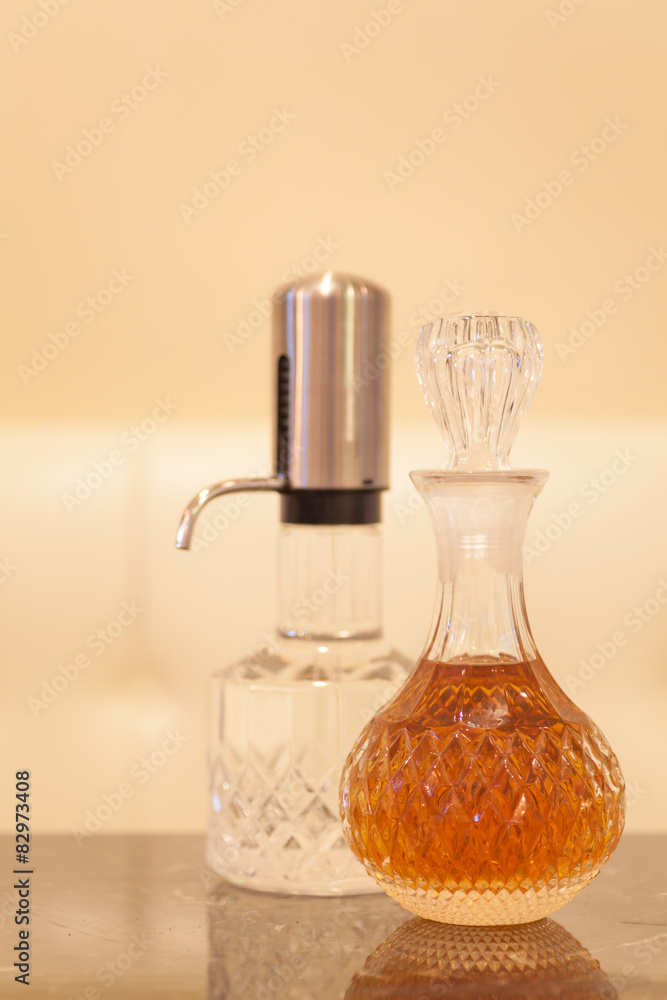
<point>330,334</point>
<point>331,406</point>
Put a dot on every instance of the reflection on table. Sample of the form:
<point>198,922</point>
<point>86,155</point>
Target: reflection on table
<point>272,947</point>
<point>524,962</point>
<point>264,946</point>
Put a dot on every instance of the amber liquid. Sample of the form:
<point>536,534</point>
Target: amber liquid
<point>480,780</point>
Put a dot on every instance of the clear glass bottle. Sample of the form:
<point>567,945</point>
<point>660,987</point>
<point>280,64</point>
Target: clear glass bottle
<point>481,794</point>
<point>285,718</point>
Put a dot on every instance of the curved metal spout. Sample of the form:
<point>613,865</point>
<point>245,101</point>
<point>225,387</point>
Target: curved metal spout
<point>197,504</point>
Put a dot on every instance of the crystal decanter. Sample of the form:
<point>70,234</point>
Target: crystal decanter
<point>284,716</point>
<point>481,794</point>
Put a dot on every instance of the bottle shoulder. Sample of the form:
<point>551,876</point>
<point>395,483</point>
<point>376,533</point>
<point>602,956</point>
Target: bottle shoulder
<point>340,661</point>
<point>483,693</point>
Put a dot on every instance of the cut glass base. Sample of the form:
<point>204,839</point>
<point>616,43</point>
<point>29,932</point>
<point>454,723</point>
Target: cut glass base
<point>485,907</point>
<point>281,740</point>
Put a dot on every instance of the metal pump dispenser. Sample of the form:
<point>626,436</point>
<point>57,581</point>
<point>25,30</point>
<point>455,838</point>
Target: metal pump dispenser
<point>285,714</point>
<point>331,388</point>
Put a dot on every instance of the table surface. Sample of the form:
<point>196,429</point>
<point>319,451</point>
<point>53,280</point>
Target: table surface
<point>141,916</point>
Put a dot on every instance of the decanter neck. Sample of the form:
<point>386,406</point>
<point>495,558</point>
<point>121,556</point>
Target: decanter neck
<point>329,581</point>
<point>480,522</point>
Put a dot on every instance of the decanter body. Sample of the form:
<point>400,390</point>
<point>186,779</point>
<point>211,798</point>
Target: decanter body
<point>481,794</point>
<point>285,716</point>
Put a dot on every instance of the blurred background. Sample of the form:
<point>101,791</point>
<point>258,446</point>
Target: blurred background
<point>167,166</point>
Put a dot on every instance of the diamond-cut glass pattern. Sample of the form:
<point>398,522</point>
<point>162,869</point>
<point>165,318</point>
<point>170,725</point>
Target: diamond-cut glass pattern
<point>481,794</point>
<point>277,833</point>
<point>534,962</point>
<point>278,750</point>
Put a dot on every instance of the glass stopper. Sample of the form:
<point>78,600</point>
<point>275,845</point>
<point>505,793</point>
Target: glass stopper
<point>478,374</point>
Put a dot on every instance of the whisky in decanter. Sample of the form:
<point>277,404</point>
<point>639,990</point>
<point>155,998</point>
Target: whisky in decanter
<point>481,794</point>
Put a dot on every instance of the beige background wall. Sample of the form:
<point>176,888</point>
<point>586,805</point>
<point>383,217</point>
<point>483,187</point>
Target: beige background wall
<point>542,195</point>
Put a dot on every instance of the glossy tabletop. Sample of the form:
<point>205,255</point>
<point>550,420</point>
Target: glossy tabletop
<point>141,916</point>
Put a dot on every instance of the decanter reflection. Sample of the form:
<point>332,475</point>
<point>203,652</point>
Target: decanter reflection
<point>426,959</point>
<point>481,794</point>
<point>268,947</point>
